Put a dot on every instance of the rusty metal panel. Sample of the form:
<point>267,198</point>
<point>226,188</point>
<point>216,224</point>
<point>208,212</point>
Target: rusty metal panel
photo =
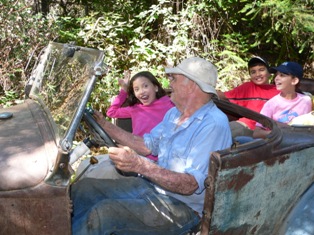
<point>28,148</point>
<point>37,211</point>
<point>254,199</point>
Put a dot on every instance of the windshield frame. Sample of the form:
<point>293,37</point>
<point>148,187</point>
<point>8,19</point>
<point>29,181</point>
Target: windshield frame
<point>90,61</point>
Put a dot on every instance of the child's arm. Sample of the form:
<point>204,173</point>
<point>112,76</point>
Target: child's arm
<point>260,132</point>
<point>221,95</point>
<point>116,110</point>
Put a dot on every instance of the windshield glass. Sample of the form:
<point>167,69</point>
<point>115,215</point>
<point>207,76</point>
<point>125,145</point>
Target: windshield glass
<point>60,79</point>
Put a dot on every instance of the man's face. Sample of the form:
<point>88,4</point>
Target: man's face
<point>178,85</point>
<point>259,74</point>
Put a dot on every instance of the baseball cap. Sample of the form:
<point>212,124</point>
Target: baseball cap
<point>199,70</point>
<point>291,68</point>
<point>256,60</point>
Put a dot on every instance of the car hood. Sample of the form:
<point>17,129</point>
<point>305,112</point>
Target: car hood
<point>28,148</point>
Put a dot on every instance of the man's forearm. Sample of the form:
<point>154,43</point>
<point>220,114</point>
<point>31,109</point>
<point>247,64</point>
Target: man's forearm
<point>128,160</point>
<point>181,183</point>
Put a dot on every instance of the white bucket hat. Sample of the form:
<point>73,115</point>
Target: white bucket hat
<point>201,71</point>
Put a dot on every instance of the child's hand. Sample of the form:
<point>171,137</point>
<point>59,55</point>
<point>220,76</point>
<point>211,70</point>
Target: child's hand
<point>124,83</point>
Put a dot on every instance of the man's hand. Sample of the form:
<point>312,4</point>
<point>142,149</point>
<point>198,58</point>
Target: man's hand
<point>121,136</point>
<point>125,159</point>
<point>99,117</point>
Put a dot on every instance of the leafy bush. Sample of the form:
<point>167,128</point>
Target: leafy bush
<point>148,35</point>
<point>22,35</point>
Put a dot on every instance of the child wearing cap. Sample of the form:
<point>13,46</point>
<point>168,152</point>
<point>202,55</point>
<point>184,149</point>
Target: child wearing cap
<point>252,95</point>
<point>289,104</point>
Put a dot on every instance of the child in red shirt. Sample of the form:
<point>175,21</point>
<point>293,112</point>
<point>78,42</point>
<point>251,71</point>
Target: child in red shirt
<point>252,95</point>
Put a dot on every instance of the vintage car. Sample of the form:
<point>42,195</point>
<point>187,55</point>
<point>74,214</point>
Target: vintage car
<point>261,187</point>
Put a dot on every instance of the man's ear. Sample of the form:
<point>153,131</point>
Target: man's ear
<point>193,86</point>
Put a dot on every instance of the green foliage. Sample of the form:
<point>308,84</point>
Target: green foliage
<point>9,98</point>
<point>68,29</point>
<point>285,28</point>
<point>149,35</point>
<point>156,37</point>
<point>21,34</point>
<point>233,69</point>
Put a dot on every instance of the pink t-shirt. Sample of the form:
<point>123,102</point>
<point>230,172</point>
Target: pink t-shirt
<point>144,117</point>
<point>251,96</point>
<point>283,110</point>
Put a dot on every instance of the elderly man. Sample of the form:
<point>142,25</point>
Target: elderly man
<point>168,197</point>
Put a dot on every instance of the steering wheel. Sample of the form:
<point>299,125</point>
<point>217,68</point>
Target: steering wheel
<point>101,136</point>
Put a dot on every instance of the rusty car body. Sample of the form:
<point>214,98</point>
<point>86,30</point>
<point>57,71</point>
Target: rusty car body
<point>36,141</point>
<point>260,187</point>
<point>257,187</point>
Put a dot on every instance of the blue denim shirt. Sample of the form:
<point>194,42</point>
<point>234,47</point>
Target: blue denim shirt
<point>187,148</point>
